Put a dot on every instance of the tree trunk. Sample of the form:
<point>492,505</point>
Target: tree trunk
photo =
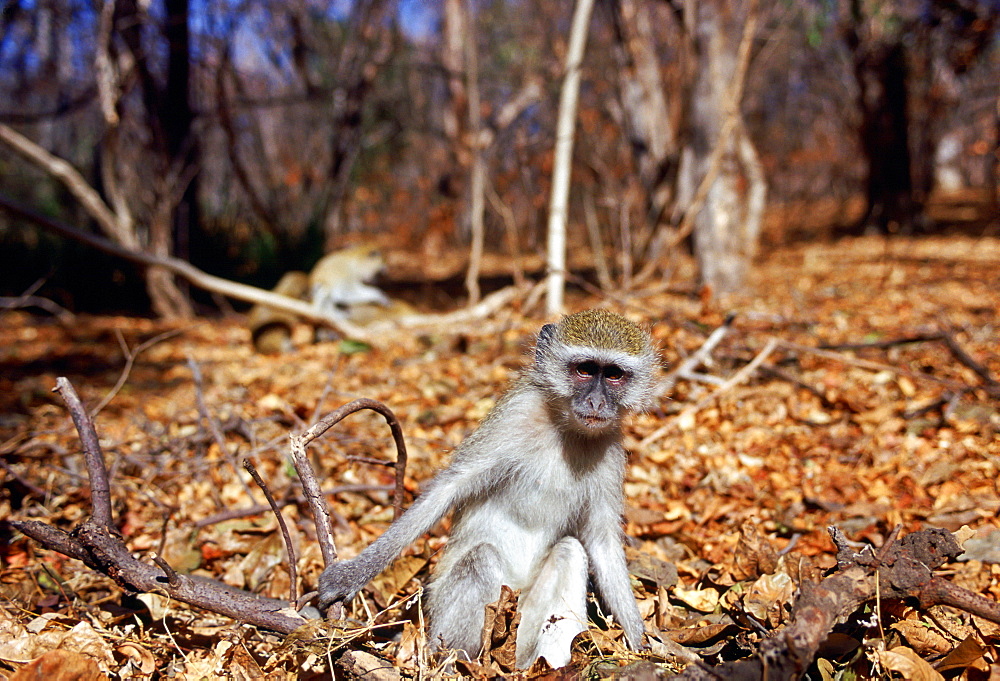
<point>720,155</point>
<point>650,125</point>
<point>880,71</point>
<point>167,298</point>
<point>563,158</point>
<point>169,118</point>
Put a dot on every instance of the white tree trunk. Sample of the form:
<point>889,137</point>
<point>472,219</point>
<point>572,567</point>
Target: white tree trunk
<point>563,161</point>
<point>723,160</point>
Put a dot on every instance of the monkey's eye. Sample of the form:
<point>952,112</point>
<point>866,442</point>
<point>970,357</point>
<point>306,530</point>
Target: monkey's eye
<point>613,372</point>
<point>588,369</point>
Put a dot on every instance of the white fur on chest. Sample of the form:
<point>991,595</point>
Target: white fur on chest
<point>541,497</point>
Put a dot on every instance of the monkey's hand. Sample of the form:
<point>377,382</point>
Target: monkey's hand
<point>341,582</point>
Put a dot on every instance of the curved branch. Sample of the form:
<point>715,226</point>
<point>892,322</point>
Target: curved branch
<point>298,443</point>
<point>100,488</point>
<point>191,273</point>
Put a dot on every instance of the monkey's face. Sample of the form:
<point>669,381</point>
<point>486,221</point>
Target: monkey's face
<point>369,264</point>
<point>598,392</point>
<point>594,366</point>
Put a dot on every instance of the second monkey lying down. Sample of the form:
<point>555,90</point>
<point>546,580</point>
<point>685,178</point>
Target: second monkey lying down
<point>537,493</point>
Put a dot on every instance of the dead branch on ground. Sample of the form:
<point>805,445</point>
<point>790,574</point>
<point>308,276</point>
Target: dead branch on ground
<point>191,273</point>
<point>899,570</point>
<point>99,545</point>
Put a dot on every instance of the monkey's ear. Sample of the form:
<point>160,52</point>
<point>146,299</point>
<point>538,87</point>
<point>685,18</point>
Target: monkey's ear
<point>545,337</point>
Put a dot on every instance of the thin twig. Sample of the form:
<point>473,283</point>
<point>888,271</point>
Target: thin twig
<point>62,315</point>
<point>24,482</point>
<point>883,344</point>
<point>100,488</point>
<point>397,435</point>
<point>130,356</point>
<point>740,376</point>
<point>169,571</point>
<point>292,571</point>
<point>697,358</point>
<point>867,364</point>
<point>992,386</point>
<point>370,460</point>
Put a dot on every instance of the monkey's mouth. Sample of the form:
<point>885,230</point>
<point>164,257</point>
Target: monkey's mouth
<point>593,421</point>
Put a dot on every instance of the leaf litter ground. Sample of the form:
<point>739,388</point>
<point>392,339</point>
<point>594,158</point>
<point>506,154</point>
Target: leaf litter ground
<point>876,406</point>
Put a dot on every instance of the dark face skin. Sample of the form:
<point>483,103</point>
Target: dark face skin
<point>597,390</point>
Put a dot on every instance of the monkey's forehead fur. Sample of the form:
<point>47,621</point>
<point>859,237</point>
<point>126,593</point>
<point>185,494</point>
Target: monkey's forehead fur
<point>603,329</point>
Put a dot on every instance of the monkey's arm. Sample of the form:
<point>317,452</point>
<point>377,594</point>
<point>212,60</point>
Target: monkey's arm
<point>602,538</point>
<point>344,579</point>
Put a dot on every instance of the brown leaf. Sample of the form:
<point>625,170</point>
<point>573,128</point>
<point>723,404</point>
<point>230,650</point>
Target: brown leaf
<point>753,556</point>
<point>500,631</point>
<point>392,581</point>
<point>696,635</point>
<point>907,663</point>
<point>59,665</point>
<point>363,665</point>
<point>139,657</point>
<point>966,654</point>
<point>766,598</point>
<point>923,639</point>
<point>648,567</point>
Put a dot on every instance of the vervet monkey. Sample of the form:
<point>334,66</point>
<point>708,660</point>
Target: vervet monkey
<point>271,329</point>
<point>337,285</point>
<point>537,493</point>
<point>341,279</point>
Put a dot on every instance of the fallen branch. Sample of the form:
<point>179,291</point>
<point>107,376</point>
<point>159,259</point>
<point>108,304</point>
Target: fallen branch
<point>868,364</point>
<point>900,569</point>
<point>99,545</point>
<point>192,274</point>
<point>370,334</point>
<point>740,376</point>
<point>991,385</point>
<point>62,315</point>
<point>700,356</point>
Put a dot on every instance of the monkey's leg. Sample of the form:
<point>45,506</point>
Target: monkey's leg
<point>459,594</point>
<point>554,607</point>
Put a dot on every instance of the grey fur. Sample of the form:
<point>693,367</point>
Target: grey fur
<point>546,464</point>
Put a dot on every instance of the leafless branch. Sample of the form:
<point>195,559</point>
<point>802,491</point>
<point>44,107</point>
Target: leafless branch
<point>292,571</point>
<point>97,543</point>
<point>130,356</point>
<point>739,377</point>
<point>194,275</point>
<point>699,357</point>
<point>100,488</point>
<point>63,315</point>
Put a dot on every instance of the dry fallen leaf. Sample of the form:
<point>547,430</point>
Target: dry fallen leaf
<point>908,663</point>
<point>59,665</point>
<point>702,600</point>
